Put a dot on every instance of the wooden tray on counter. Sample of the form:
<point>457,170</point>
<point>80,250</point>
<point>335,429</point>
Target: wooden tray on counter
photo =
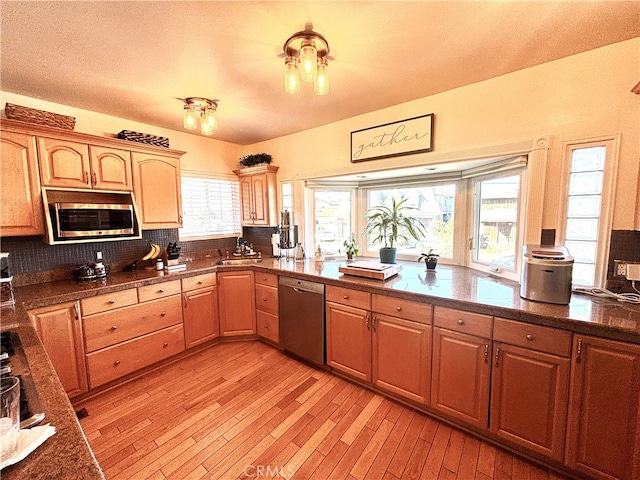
<point>376,270</point>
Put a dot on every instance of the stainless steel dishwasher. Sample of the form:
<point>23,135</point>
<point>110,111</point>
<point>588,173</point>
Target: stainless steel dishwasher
<point>301,310</point>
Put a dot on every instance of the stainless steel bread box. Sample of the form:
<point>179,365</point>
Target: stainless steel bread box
<point>546,274</point>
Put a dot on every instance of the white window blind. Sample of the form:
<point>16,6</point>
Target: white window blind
<point>211,207</point>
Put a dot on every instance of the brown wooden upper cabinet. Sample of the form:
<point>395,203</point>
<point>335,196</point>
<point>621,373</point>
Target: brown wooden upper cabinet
<point>258,195</point>
<point>21,212</point>
<point>156,180</point>
<point>65,163</point>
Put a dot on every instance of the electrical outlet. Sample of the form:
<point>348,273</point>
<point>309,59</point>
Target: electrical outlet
<point>633,271</point>
<point>620,268</point>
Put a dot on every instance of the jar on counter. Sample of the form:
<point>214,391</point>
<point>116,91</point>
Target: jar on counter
<point>159,264</point>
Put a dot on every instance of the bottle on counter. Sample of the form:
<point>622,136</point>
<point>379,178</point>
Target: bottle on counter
<point>319,255</point>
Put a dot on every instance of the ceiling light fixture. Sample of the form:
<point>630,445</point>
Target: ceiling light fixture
<point>203,107</point>
<point>306,60</point>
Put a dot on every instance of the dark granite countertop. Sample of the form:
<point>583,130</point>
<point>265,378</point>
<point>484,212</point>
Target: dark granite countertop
<point>67,454</point>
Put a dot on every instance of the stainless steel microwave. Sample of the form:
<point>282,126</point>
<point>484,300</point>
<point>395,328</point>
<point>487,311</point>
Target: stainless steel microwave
<point>87,220</point>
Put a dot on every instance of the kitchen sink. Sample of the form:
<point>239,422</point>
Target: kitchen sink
<point>239,261</point>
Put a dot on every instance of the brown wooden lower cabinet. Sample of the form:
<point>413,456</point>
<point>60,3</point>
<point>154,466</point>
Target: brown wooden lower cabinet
<point>349,340</point>
<point>123,358</point>
<point>200,316</point>
<point>461,376</point>
<point>603,434</point>
<point>60,330</point>
<point>237,303</point>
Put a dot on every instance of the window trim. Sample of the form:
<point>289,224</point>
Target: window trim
<point>609,187</point>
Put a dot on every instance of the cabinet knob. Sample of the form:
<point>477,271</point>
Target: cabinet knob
<point>529,337</point>
<point>264,299</point>
<point>345,296</point>
<point>117,362</point>
<point>199,282</point>
<point>114,327</point>
<point>161,291</point>
<point>165,344</point>
<point>266,327</point>
<point>460,322</point>
<point>163,314</point>
<point>112,302</point>
<point>398,308</point>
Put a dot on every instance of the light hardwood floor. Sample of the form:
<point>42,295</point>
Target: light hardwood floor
<point>246,410</point>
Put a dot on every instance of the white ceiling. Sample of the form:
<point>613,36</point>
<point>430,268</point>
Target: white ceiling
<point>138,60</point>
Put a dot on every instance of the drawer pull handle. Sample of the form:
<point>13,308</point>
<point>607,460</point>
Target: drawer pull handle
<point>114,327</point>
<point>368,328</point>
<point>529,337</point>
<point>163,314</point>
<point>112,302</point>
<point>117,362</point>
<point>398,309</point>
<point>373,323</point>
<point>497,356</point>
<point>460,322</point>
<point>486,353</point>
<point>165,344</point>
<point>579,352</point>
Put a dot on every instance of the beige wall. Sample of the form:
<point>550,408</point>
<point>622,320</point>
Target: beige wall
<point>583,96</point>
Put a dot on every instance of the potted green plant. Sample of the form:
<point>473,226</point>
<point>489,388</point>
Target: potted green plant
<point>430,259</point>
<point>388,224</point>
<point>255,159</point>
<point>351,247</point>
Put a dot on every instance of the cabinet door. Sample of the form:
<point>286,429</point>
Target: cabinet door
<point>63,163</point>
<point>200,315</point>
<point>402,357</point>
<point>60,330</point>
<point>529,392</point>
<point>260,190</point>
<point>349,340</point>
<point>111,169</point>
<point>156,186</point>
<point>603,440</point>
<point>236,296</point>
<point>461,376</point>
<point>21,212</point>
<point>246,199</point>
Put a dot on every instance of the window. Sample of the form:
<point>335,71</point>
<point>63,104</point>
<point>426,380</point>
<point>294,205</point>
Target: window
<point>286,190</point>
<point>495,223</point>
<point>211,208</point>
<point>434,208</point>
<point>332,218</point>
<point>587,213</point>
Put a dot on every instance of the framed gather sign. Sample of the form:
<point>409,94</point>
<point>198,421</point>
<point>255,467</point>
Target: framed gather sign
<point>405,137</point>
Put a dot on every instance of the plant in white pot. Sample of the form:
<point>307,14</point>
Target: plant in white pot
<point>389,224</point>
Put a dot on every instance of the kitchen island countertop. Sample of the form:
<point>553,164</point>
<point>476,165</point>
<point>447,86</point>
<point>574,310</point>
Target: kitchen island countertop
<point>68,455</point>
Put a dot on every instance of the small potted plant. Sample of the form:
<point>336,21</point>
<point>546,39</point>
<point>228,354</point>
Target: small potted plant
<point>351,247</point>
<point>430,259</point>
<point>388,224</point>
<point>255,159</point>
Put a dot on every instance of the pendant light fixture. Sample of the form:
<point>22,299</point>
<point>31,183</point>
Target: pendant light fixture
<point>306,60</point>
<point>195,107</point>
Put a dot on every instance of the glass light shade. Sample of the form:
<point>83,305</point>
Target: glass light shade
<point>291,76</point>
<point>321,85</point>
<point>308,61</point>
<point>190,119</point>
<point>210,118</point>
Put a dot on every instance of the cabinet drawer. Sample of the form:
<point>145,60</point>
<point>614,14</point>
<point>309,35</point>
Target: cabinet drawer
<point>199,281</point>
<point>535,337</point>
<point>347,296</point>
<point>461,321</point>
<point>116,361</point>
<point>268,326</point>
<point>109,301</point>
<point>398,307</point>
<point>158,290</point>
<point>267,299</point>
<point>108,328</point>
<point>270,279</point>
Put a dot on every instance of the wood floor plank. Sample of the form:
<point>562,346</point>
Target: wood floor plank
<point>232,410</point>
